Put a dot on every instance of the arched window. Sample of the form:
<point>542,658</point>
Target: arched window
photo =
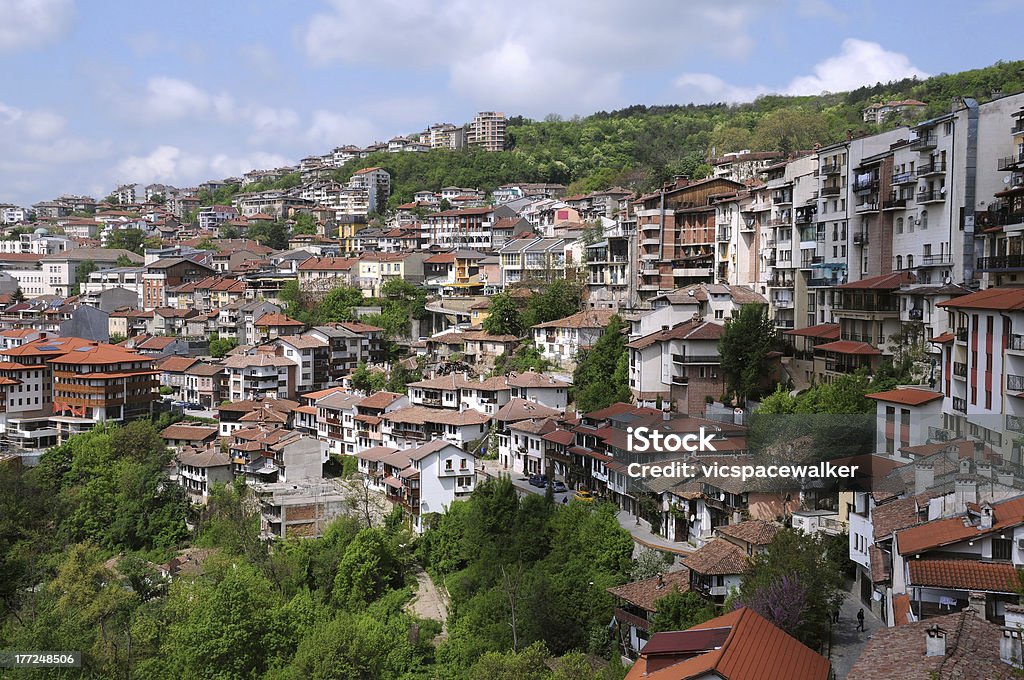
<point>899,262</point>
<point>899,225</point>
<point>924,219</point>
<point>910,261</point>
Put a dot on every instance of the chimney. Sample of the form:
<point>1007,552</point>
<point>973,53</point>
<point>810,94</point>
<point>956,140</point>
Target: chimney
<point>985,470</point>
<point>997,93</point>
<point>935,642</point>
<point>924,477</point>
<point>986,516</point>
<point>849,134</point>
<point>1010,647</point>
<point>966,491</point>
<point>976,603</point>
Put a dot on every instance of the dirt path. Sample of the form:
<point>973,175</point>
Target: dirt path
<point>430,602</point>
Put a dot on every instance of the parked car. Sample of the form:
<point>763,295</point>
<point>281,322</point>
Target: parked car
<point>584,496</point>
<point>539,481</point>
<point>559,487</point>
<point>194,407</point>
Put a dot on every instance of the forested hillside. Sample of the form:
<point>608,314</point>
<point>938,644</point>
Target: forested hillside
<point>641,146</point>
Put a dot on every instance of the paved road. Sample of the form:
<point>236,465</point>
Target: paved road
<point>847,641</point>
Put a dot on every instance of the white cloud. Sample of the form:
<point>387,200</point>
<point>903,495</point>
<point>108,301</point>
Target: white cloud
<point>31,23</point>
<point>329,128</point>
<point>170,164</point>
<point>858,63</point>
<point>538,56</point>
<point>35,125</point>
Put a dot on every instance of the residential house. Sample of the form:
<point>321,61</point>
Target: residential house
<point>561,340</point>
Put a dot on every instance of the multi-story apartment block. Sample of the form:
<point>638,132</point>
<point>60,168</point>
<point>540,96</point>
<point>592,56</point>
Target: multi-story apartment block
<point>534,260</point>
<point>212,216</point>
<point>266,374</point>
<point>676,232</point>
<point>611,278</point>
<point>487,131</point>
<point>125,194</point>
<point>679,364</point>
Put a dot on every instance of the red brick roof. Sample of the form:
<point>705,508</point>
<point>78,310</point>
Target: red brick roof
<point>379,400</point>
<point>753,649</point>
<point>825,331</point>
<point>687,330</point>
<point>909,396</point>
<point>849,347</point>
<point>883,282</point>
<point>964,575</point>
<point>718,557</point>
<point>277,319</point>
<point>954,529</point>
<point>990,298</point>
<point>646,593</point>
<point>755,531</point>
<point>176,364</point>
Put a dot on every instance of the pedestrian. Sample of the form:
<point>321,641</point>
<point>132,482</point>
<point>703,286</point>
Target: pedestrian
<point>860,619</point>
<point>835,615</point>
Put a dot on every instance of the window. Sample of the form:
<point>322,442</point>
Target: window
<point>899,225</point>
<point>1002,548</point>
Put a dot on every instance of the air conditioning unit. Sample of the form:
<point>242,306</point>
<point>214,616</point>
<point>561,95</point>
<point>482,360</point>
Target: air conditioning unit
<point>1020,544</point>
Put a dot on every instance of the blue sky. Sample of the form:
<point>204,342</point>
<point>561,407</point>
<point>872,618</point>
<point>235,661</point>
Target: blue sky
<point>96,93</point>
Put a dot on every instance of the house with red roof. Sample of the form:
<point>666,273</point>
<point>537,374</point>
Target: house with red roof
<point>904,416</point>
<point>740,645</point>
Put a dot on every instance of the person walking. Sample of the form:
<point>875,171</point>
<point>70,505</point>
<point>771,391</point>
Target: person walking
<point>860,619</point>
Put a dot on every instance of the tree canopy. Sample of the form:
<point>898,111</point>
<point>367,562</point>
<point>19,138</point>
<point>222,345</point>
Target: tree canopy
<point>602,373</point>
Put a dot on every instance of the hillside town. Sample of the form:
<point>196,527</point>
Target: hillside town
<point>903,246</point>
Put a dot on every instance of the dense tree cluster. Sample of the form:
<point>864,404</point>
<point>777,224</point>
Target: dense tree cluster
<point>602,372</point>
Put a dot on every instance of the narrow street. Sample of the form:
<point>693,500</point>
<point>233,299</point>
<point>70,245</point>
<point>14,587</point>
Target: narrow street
<point>847,641</point>
<point>430,602</point>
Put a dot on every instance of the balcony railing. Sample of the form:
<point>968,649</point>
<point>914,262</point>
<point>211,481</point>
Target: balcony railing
<point>931,196</point>
<point>784,323</point>
<point>1015,383</point>
<point>1001,262</point>
<point>822,282</point>
<point>894,203</point>
<point>1018,127</point>
<point>831,191</point>
<point>865,184</point>
<point>960,404</point>
<point>725,234</point>
<point>1014,423</point>
<point>1011,162</point>
<point>860,239</point>
<point>935,168</point>
<point>932,260</point>
<point>997,218</point>
<point>680,379</point>
<point>831,169</point>
<point>904,178</point>
<point>961,335</point>
<point>925,142</point>
<point>959,369</point>
<point>1016,343</point>
<point>867,206</point>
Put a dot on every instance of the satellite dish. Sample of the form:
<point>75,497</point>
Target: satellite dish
<point>947,280</point>
<point>1006,180</point>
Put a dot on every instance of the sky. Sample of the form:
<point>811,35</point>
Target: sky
<point>93,94</point>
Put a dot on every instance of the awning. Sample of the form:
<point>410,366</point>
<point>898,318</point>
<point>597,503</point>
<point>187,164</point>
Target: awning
<point>849,347</point>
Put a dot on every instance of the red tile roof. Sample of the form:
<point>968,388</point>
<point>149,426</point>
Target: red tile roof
<point>990,577</point>
<point>646,593</point>
<point>277,319</point>
<point>943,338</point>
<point>176,364</point>
<point>990,298</point>
<point>849,347</point>
<point>955,529</point>
<point>695,329</point>
<point>590,318</point>
<point>753,649</point>
<point>825,331</point>
<point>909,396</point>
<point>379,400</point>
<point>883,282</point>
<point>754,531</point>
<point>718,557</point>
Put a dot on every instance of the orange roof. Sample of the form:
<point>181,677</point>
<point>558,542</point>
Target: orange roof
<point>100,354</point>
<point>908,396</point>
<point>849,347</point>
<point>328,263</point>
<point>753,649</point>
<point>176,364</point>
<point>990,298</point>
<point>380,400</point>
<point>359,327</point>
<point>646,593</point>
<point>46,347</point>
<point>277,319</point>
<point>990,577</point>
<point>322,393</point>
<point>826,331</point>
<point>883,282</point>
<point>944,338</point>
<point>901,609</point>
<point>718,557</point>
<point>953,529</point>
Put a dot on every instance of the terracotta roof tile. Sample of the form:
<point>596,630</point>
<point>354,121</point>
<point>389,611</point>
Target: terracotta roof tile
<point>942,532</point>
<point>718,557</point>
<point>755,531</point>
<point>964,575</point>
<point>646,593</point>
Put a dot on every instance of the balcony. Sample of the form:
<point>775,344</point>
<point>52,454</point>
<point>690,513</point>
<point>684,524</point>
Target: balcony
<point>749,223</point>
<point>961,335</point>
<point>959,369</point>
<point>1001,263</point>
<point>831,169</point>
<point>1015,383</point>
<point>936,168</point>
<point>782,303</point>
<point>780,222</point>
<point>925,142</point>
<point>997,218</point>
<point>1018,127</point>
<point>864,185</point>
<point>936,260</point>
<point>915,314</point>
<point>804,217</point>
<point>408,434</point>
<point>822,282</point>
<point>860,239</point>
<point>931,196</point>
<point>782,198</point>
<point>696,358</point>
<point>808,262</point>
<point>831,191</point>
<point>868,207</point>
<point>779,283</point>
<point>1014,423</point>
<point>894,204</point>
<point>960,404</point>
<point>725,234</point>
<point>680,380</point>
<point>1016,343</point>
<point>1011,162</point>
<point>903,178</point>
<point>784,323</point>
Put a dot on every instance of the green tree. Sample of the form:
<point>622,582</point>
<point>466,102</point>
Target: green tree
<point>219,347</point>
<point>744,347</point>
<point>370,567</point>
<point>19,295</point>
<point>229,231</point>
<point>85,267</point>
<point>271,234</point>
<point>557,300</point>
<point>801,563</point>
<point>678,611</point>
<point>599,380</point>
<point>503,316</point>
<point>304,224</point>
<point>127,239</point>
